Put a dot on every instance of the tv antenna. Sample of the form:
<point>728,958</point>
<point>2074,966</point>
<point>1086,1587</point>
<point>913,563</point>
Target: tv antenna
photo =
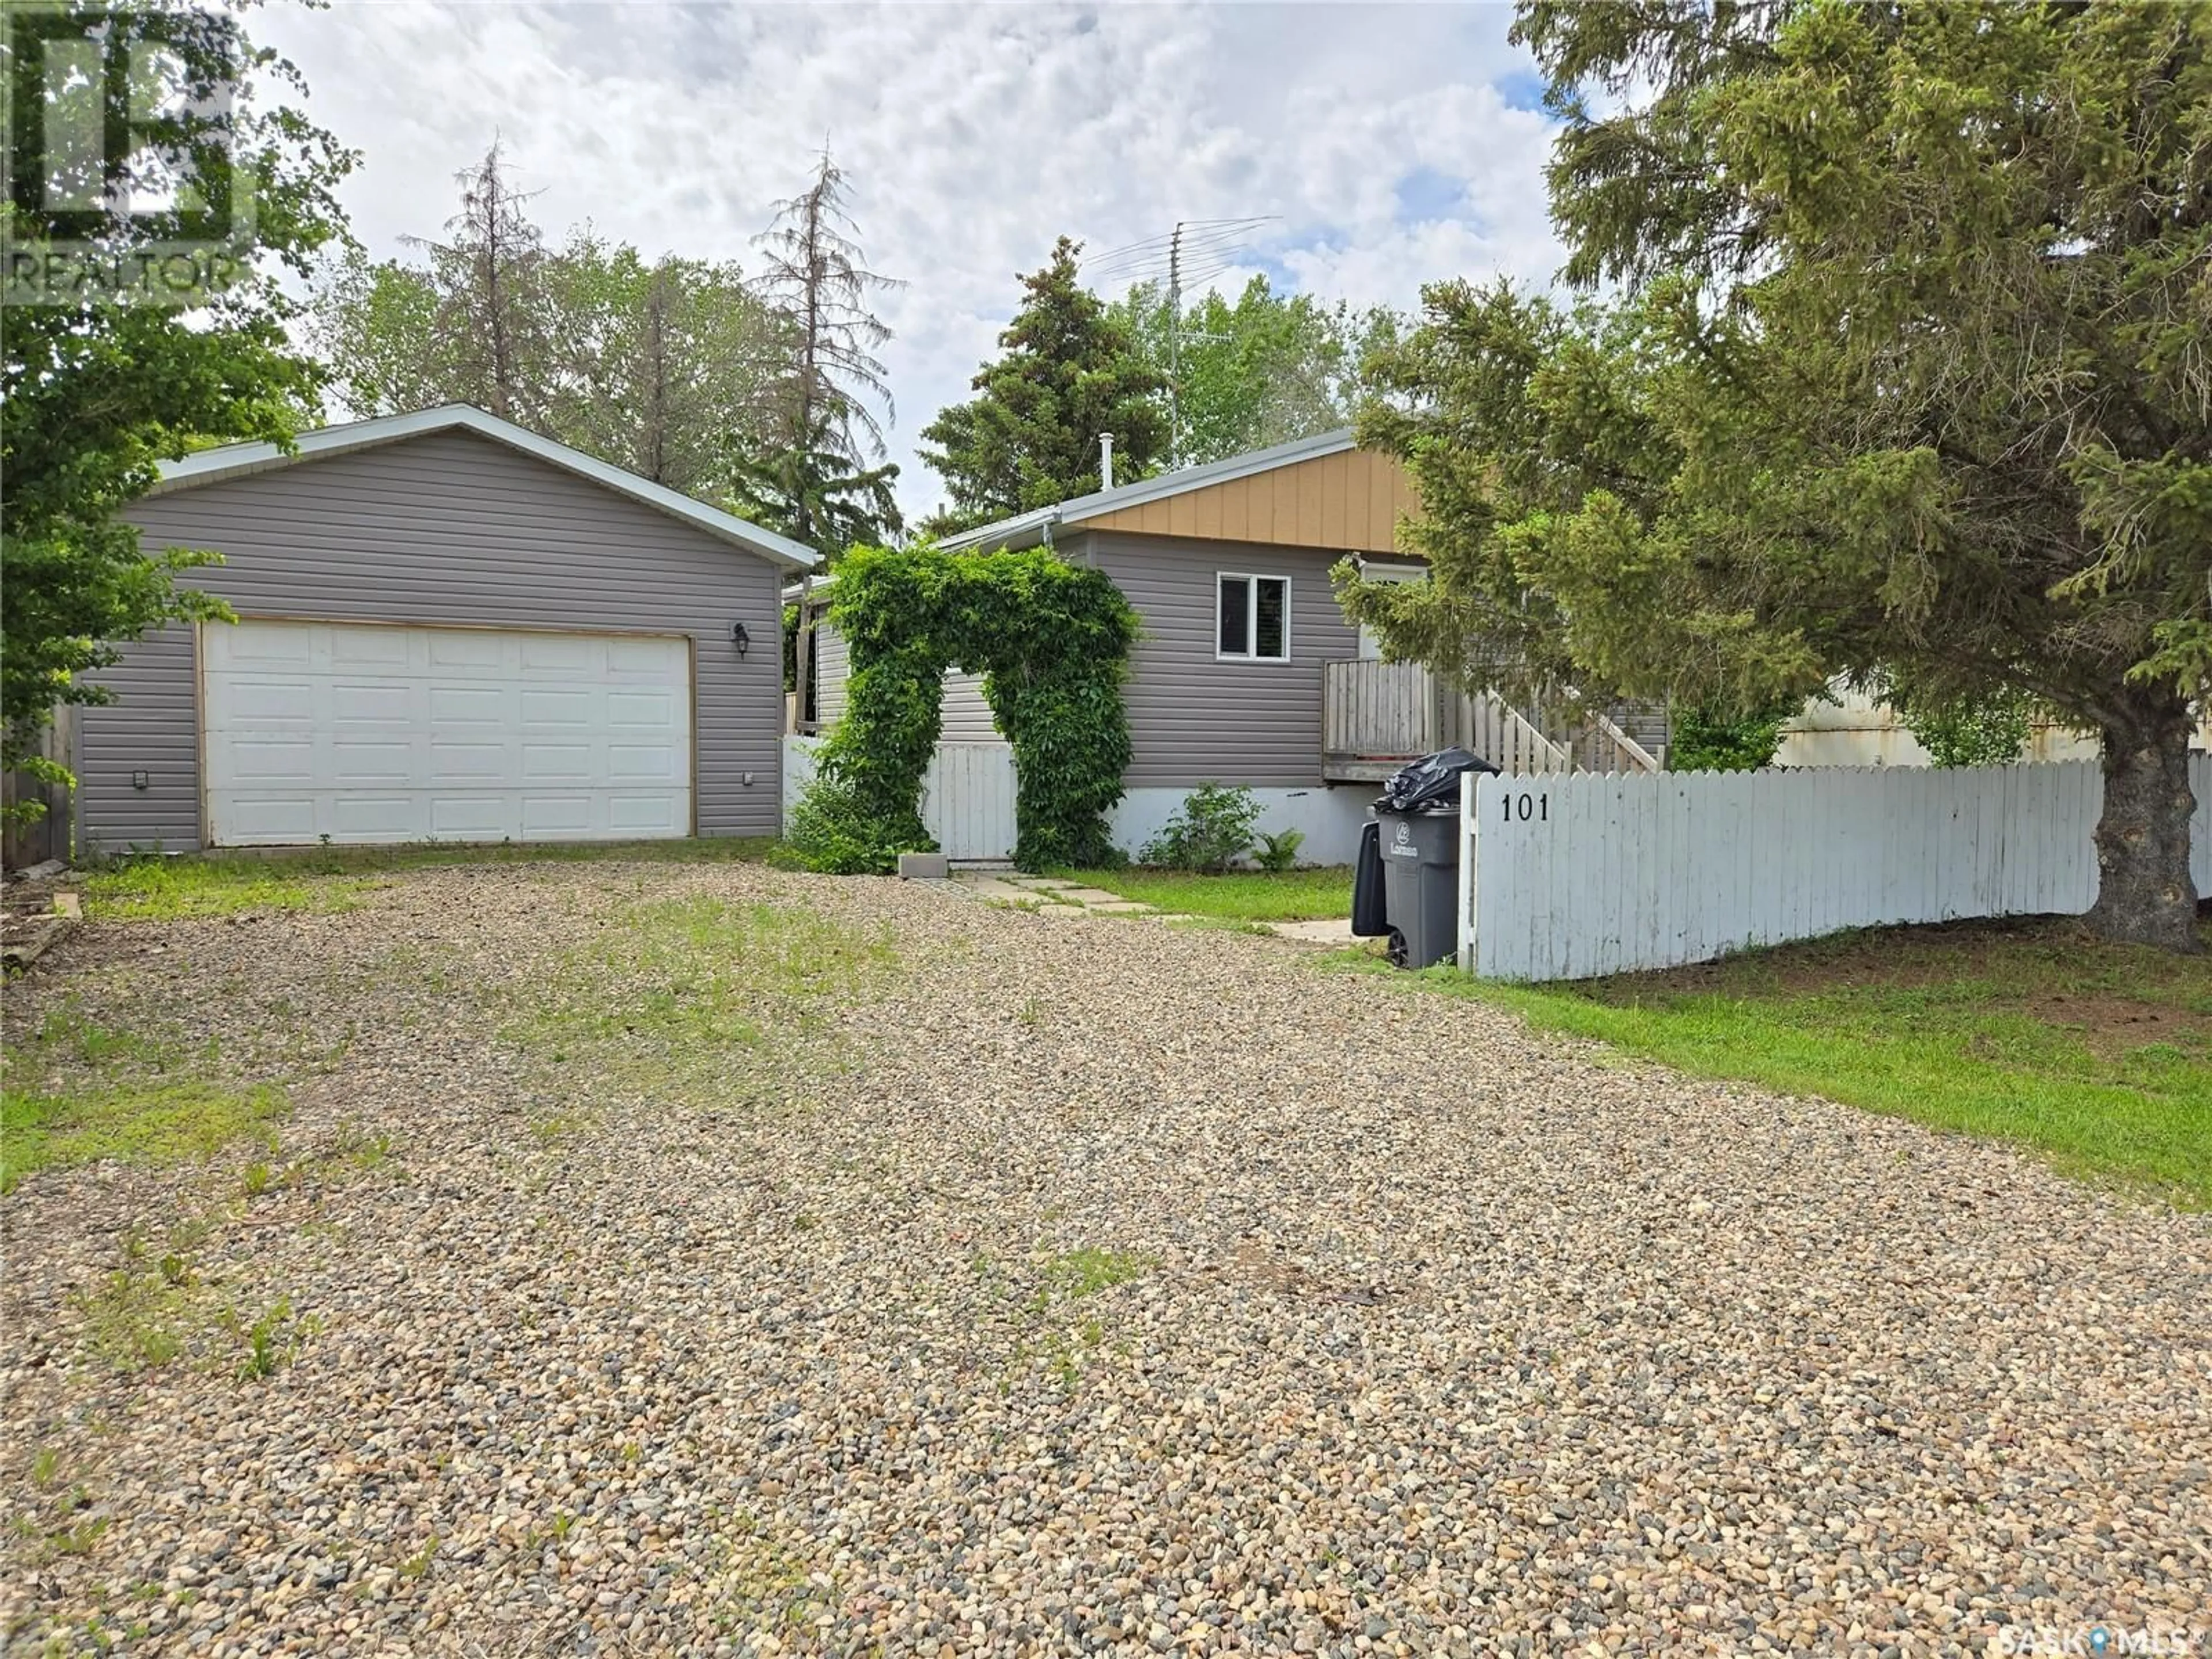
<point>1196,251</point>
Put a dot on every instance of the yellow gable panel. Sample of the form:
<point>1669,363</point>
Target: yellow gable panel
<point>1349,500</point>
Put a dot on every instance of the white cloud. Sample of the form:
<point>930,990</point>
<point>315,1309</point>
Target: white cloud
<point>972,135</point>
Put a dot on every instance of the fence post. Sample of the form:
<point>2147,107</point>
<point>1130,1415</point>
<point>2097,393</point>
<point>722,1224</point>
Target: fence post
<point>1467,829</point>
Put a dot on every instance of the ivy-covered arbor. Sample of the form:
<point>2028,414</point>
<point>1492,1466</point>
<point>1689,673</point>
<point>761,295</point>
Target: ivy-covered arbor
<point>1051,641</point>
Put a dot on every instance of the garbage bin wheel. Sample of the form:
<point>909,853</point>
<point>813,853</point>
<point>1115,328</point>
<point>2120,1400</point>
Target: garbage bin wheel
<point>1396,948</point>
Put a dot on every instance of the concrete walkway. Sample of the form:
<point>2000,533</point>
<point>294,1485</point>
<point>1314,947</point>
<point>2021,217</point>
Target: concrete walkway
<point>1049,895</point>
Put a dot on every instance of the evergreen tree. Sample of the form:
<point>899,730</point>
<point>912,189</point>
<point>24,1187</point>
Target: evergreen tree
<point>491,326</point>
<point>807,488</point>
<point>1070,371</point>
<point>1904,383</point>
<point>815,469</point>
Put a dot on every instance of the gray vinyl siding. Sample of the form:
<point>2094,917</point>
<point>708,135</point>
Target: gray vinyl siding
<point>833,661</point>
<point>1194,720</point>
<point>967,717</point>
<point>445,528</point>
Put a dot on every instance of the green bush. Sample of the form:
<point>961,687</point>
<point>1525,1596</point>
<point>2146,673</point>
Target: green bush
<point>1715,739</point>
<point>1277,850</point>
<point>1990,731</point>
<point>830,832</point>
<point>1210,830</point>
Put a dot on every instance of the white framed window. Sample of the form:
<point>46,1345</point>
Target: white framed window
<point>1371,648</point>
<point>1251,617</point>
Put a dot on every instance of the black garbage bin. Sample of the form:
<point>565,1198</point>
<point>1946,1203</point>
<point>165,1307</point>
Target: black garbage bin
<point>1412,854</point>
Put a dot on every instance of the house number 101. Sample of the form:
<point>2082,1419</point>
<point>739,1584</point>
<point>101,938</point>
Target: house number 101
<point>1525,806</point>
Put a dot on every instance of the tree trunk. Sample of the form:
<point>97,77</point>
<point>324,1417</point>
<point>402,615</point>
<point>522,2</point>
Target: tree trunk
<point>2144,894</point>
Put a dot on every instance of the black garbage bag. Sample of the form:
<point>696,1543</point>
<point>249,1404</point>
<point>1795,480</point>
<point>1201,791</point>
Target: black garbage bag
<point>1370,919</point>
<point>1431,781</point>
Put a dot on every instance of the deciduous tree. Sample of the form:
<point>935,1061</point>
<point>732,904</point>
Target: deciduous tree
<point>667,367</point>
<point>1262,369</point>
<point>96,389</point>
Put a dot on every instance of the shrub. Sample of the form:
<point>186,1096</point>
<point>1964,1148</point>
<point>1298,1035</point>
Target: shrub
<point>1989,730</point>
<point>1712,739</point>
<point>830,832</point>
<point>1211,829</point>
<point>1277,850</point>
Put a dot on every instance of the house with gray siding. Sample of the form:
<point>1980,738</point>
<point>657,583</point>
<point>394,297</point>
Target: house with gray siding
<point>1228,567</point>
<point>451,628</point>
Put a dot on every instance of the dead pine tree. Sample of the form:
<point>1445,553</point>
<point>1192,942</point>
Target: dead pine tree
<point>816,470</point>
<point>492,325</point>
<point>816,473</point>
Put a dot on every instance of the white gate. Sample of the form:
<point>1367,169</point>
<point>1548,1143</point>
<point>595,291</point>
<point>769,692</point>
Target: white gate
<point>967,796</point>
<point>968,800</point>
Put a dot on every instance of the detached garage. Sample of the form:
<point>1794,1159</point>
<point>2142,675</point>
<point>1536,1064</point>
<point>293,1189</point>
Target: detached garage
<point>449,629</point>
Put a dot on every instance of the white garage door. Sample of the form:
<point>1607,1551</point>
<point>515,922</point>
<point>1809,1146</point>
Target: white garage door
<point>372,733</point>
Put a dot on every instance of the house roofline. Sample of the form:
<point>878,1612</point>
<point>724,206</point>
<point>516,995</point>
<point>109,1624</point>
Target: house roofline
<point>238,460</point>
<point>1028,529</point>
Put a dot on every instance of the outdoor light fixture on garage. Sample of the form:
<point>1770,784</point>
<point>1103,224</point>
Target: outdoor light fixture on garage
<point>740,638</point>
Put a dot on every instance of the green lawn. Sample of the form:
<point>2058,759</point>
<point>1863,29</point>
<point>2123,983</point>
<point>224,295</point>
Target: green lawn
<point>332,878</point>
<point>74,1091</point>
<point>2098,1056</point>
<point>1242,896</point>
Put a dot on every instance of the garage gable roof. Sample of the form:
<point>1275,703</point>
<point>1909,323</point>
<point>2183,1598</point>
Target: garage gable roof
<point>234,460</point>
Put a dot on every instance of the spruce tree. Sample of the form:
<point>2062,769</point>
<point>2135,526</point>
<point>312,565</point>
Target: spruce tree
<point>1069,371</point>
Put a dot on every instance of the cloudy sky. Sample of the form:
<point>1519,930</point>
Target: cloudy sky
<point>1390,144</point>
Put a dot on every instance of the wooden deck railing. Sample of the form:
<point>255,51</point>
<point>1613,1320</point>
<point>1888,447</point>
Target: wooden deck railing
<point>1602,746</point>
<point>1376,716</point>
<point>1501,735</point>
<point>1376,711</point>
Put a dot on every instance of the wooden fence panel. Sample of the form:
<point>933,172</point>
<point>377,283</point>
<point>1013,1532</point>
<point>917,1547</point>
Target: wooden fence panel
<point>48,834</point>
<point>967,795</point>
<point>1573,875</point>
<point>1378,709</point>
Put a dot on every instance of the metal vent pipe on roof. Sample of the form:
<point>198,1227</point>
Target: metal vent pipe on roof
<point>1105,460</point>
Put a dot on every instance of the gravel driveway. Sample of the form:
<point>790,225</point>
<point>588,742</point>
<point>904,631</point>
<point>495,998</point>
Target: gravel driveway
<point>711,1259</point>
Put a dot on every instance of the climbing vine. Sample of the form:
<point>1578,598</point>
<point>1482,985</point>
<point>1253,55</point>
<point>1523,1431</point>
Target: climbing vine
<point>1051,641</point>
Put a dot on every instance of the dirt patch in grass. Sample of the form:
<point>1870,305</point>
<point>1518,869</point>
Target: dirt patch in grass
<point>2113,1025</point>
<point>2049,970</point>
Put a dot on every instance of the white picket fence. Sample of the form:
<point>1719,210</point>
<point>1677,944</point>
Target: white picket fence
<point>1568,876</point>
<point>967,795</point>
